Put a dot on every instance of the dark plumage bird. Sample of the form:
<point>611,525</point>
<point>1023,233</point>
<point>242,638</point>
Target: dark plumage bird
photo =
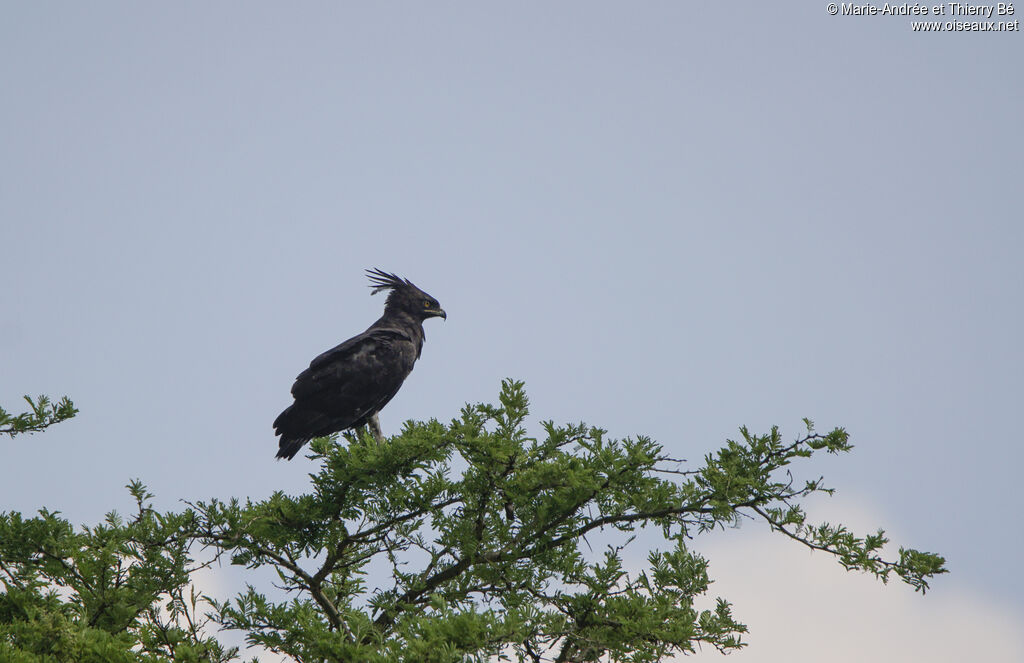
<point>346,386</point>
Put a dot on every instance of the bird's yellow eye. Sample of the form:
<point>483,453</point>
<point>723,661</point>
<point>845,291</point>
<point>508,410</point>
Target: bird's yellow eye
<point>426,303</point>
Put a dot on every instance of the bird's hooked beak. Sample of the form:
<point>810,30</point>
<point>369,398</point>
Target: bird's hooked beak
<point>441,314</point>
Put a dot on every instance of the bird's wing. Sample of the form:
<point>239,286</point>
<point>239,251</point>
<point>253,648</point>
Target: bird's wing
<point>367,364</point>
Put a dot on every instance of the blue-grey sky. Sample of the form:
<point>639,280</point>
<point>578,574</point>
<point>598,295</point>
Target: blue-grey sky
<point>668,219</point>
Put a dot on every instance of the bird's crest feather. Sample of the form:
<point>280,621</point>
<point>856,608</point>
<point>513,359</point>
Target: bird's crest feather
<point>381,280</point>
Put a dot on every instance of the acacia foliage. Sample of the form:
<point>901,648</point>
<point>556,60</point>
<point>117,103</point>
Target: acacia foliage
<point>117,592</point>
<point>481,535</point>
<point>42,414</point>
<point>465,541</point>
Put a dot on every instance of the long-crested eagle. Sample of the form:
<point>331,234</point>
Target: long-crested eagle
<point>346,386</point>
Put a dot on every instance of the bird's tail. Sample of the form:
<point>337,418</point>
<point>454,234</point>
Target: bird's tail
<point>289,426</point>
<point>290,446</point>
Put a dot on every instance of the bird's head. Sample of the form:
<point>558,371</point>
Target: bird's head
<point>405,296</point>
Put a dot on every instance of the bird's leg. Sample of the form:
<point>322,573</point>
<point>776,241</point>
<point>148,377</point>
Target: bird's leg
<point>374,425</point>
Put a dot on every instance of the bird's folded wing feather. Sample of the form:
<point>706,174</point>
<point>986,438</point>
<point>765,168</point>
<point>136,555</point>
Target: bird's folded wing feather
<point>355,367</point>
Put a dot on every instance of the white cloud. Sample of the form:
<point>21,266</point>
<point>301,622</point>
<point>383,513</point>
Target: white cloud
<point>223,583</point>
<point>802,606</point>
